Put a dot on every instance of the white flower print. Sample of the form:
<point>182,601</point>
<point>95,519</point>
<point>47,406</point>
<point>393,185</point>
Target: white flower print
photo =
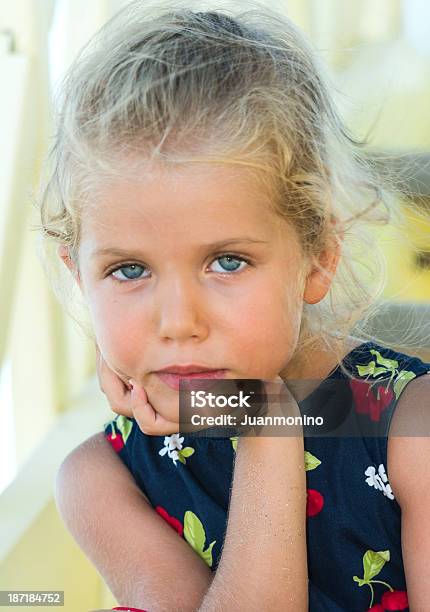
<point>171,446</point>
<point>379,480</point>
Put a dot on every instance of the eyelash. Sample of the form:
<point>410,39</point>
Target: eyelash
<point>240,258</point>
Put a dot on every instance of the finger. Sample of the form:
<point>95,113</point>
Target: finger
<point>148,419</point>
<point>280,400</point>
<point>272,388</point>
<point>114,388</point>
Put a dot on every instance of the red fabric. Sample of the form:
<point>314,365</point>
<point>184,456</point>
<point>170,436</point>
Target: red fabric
<point>395,600</point>
<point>130,609</point>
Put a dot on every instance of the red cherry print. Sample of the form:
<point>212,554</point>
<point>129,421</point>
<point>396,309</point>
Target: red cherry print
<point>359,390</point>
<point>130,609</point>
<point>376,608</point>
<point>116,440</point>
<point>366,399</point>
<point>173,522</point>
<point>395,600</point>
<point>315,502</point>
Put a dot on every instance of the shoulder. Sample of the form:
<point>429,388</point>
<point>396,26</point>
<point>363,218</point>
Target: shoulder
<point>92,478</point>
<point>95,448</point>
<point>408,453</point>
<point>79,458</point>
<point>409,475</point>
<point>89,472</point>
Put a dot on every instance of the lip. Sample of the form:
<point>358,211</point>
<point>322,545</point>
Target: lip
<point>191,368</point>
<point>190,376</point>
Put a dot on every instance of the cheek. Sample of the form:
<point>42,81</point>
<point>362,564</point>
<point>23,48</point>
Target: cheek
<point>119,332</point>
<point>266,332</point>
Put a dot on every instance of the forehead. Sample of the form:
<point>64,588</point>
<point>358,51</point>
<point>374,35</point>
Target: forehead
<point>174,201</point>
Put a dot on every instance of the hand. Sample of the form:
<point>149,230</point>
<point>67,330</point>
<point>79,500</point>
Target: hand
<point>280,402</point>
<point>130,399</point>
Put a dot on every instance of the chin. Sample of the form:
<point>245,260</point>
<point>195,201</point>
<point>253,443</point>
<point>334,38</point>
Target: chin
<point>165,403</point>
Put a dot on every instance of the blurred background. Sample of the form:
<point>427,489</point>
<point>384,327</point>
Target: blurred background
<point>378,54</point>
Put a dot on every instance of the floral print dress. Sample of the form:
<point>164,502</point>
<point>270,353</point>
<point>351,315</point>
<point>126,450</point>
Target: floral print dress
<point>353,519</point>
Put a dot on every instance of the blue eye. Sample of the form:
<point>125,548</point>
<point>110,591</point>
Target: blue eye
<point>130,271</point>
<point>230,263</point>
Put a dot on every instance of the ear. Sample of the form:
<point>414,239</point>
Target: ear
<point>320,277</point>
<point>64,254</point>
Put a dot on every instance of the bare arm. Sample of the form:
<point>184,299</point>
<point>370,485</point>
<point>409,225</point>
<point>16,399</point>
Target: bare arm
<point>409,476</point>
<point>264,564</point>
<point>264,559</point>
<point>143,561</point>
<point>146,564</point>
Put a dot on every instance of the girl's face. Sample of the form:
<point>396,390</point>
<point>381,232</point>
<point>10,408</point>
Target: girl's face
<point>191,266</point>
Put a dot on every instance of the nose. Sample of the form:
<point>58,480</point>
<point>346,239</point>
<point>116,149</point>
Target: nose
<point>181,310</point>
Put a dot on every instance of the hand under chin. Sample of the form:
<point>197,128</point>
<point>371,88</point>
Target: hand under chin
<point>166,405</point>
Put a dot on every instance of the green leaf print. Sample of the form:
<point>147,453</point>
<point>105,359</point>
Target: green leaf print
<point>125,425</point>
<point>386,366</point>
<point>311,462</point>
<point>185,452</point>
<point>373,562</point>
<point>402,380</point>
<point>206,555</point>
<point>194,531</point>
<point>234,442</point>
<point>195,535</point>
<point>390,364</point>
<point>370,369</point>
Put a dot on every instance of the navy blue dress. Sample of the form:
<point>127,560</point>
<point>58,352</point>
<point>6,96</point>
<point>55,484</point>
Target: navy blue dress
<point>353,519</point>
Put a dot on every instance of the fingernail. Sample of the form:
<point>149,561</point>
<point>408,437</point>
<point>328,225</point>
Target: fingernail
<point>130,382</point>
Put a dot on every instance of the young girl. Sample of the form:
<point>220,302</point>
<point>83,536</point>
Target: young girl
<point>215,214</point>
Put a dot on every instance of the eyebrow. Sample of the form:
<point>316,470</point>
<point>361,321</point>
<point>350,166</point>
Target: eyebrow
<point>117,252</point>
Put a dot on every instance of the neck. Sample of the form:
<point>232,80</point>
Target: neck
<point>307,369</point>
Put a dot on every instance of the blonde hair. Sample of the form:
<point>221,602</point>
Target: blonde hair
<point>174,85</point>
